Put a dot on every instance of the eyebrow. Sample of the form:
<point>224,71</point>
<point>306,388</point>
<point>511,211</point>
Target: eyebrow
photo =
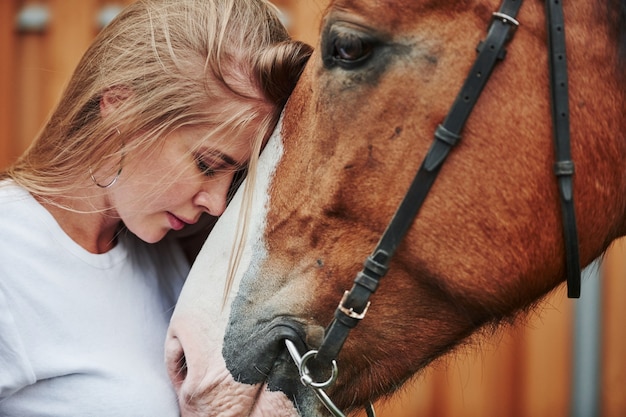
<point>226,158</point>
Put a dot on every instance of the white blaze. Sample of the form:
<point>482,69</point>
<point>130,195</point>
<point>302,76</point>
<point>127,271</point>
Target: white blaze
<point>200,319</point>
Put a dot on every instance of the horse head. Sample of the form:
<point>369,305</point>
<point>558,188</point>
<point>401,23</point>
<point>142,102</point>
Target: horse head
<point>487,242</point>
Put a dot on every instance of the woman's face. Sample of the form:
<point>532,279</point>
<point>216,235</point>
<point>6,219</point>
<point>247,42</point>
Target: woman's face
<point>169,188</point>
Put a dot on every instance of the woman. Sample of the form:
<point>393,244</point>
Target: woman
<point>169,103</point>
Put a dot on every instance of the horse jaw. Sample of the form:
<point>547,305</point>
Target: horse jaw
<point>195,339</point>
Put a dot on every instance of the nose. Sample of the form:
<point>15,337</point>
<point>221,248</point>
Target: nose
<point>175,361</point>
<point>213,195</point>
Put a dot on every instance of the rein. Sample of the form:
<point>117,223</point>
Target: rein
<point>354,304</point>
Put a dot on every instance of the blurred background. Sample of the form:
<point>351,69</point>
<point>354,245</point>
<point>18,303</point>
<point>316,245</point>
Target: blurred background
<point>567,359</point>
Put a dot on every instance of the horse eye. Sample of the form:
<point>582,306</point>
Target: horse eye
<point>346,48</point>
<point>350,48</point>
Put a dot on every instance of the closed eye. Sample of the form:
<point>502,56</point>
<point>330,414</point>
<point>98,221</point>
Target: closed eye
<point>211,163</point>
<point>207,168</point>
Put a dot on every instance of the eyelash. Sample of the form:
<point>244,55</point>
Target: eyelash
<point>205,168</point>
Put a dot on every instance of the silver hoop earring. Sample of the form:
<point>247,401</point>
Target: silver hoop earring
<point>119,171</point>
<point>113,181</point>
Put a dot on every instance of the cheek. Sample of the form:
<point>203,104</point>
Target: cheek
<point>144,196</point>
<point>177,192</point>
<point>162,177</point>
<point>159,179</point>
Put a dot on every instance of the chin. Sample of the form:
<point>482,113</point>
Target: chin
<point>149,236</point>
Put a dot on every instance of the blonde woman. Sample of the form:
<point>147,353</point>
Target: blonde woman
<point>169,103</point>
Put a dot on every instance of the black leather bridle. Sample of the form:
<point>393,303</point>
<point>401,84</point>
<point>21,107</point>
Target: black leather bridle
<point>355,302</point>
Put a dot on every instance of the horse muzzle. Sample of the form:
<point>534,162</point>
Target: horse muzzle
<point>261,356</point>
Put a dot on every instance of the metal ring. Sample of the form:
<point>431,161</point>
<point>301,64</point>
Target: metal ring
<point>110,184</point>
<point>306,378</point>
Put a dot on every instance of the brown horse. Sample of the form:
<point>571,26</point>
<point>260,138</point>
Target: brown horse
<point>487,242</point>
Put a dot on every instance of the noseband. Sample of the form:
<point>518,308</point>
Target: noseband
<point>355,302</point>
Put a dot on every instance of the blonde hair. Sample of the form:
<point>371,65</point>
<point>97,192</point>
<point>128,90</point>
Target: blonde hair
<point>165,60</point>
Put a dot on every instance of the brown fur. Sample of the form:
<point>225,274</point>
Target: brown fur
<point>488,241</point>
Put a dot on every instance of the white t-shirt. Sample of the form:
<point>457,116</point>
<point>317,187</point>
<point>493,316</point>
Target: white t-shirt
<point>82,334</point>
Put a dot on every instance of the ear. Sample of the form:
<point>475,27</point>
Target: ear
<point>112,98</point>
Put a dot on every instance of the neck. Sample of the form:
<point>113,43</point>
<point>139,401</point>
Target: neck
<point>91,227</point>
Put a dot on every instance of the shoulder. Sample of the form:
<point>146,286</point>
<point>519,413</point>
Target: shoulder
<point>13,199</point>
<point>18,211</point>
<point>17,231</point>
<point>17,371</point>
<point>23,231</point>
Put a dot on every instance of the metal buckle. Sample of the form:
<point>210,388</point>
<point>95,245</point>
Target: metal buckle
<point>505,18</point>
<point>350,311</point>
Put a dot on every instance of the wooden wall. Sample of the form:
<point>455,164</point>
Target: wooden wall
<point>523,372</point>
<point>8,77</point>
<point>613,369</point>
<point>36,62</point>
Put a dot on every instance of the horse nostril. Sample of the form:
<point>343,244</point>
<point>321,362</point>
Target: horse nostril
<point>176,362</point>
<point>182,368</point>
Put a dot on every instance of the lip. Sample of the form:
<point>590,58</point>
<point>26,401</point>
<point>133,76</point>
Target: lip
<point>175,222</point>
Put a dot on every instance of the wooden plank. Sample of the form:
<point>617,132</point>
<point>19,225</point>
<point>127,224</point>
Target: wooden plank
<point>522,371</point>
<point>30,108</point>
<point>72,28</point>
<point>7,82</point>
<point>613,375</point>
<point>303,18</point>
<point>414,399</point>
<point>45,61</point>
<point>486,377</point>
<point>547,370</point>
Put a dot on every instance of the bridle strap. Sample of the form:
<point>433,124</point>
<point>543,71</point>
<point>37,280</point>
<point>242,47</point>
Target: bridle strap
<point>564,166</point>
<point>355,302</point>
